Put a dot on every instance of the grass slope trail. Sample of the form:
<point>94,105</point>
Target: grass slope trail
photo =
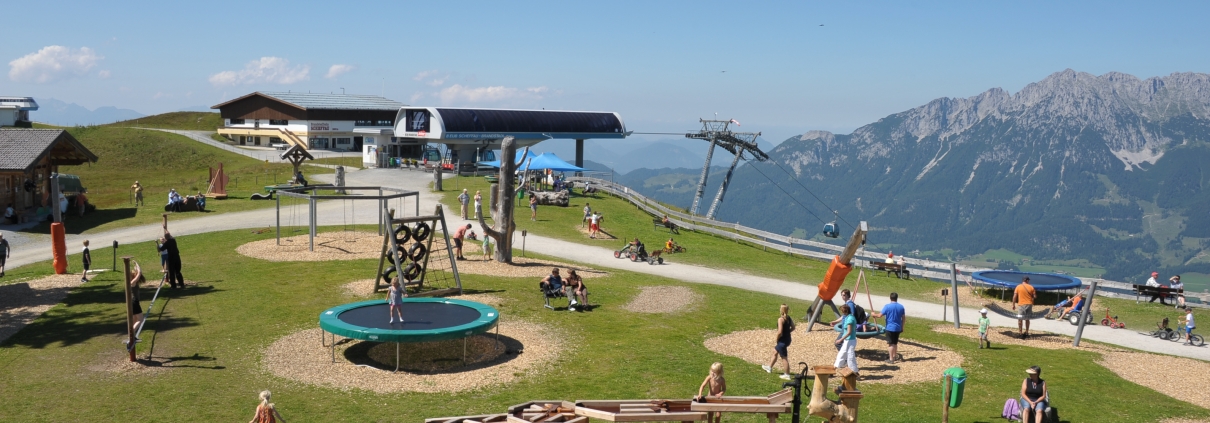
<point>160,161</point>
<point>191,121</point>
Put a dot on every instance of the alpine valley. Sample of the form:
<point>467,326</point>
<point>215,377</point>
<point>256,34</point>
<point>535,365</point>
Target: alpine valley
<point>1108,170</point>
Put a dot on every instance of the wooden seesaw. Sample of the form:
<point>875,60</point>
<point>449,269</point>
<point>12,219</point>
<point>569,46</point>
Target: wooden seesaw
<point>639,410</point>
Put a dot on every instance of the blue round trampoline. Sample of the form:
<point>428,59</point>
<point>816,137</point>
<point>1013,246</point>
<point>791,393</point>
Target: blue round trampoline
<point>1040,281</point>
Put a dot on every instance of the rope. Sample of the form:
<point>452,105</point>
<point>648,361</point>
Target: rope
<point>151,306</point>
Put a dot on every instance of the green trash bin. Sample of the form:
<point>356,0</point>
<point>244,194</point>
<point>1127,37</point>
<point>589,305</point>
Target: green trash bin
<point>520,193</point>
<point>957,385</point>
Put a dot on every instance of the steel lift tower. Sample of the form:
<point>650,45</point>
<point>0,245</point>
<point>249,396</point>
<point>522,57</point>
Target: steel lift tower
<point>718,132</point>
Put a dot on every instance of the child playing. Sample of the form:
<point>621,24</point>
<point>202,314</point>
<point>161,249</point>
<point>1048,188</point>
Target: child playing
<point>718,386</point>
<point>487,248</point>
<point>266,412</point>
<point>1189,326</point>
<point>395,299</point>
<point>984,322</point>
<point>87,262</point>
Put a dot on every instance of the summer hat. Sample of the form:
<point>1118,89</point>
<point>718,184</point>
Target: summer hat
<point>983,311</point>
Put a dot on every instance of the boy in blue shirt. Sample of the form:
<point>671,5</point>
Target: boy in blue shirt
<point>895,320</point>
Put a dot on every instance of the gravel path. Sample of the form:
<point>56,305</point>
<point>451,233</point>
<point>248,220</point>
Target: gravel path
<point>921,362</point>
<point>663,299</point>
<point>528,349</point>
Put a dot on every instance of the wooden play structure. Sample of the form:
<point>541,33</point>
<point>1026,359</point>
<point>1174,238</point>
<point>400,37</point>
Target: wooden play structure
<point>841,266</point>
<point>296,154</point>
<point>644,410</point>
<point>407,252</point>
<point>844,410</point>
<point>218,183</point>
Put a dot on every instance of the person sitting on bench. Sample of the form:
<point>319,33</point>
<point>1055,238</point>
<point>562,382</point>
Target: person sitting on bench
<point>1152,283</point>
<point>1177,297</point>
<point>668,224</point>
<point>299,179</point>
<point>553,282</point>
<point>575,288</point>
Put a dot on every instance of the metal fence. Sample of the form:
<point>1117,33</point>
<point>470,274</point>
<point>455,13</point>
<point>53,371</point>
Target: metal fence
<point>807,248</point>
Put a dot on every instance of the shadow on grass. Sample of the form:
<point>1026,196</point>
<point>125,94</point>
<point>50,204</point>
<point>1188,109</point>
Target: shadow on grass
<point>180,362</point>
<point>75,225</point>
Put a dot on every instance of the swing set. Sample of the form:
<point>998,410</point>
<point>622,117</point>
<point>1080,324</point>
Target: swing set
<point>310,195</point>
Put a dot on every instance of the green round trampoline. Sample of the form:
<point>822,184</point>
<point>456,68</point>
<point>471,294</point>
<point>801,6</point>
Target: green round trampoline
<point>424,320</point>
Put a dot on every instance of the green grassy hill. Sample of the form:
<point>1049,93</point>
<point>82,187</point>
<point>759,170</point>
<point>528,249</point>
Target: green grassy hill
<point>195,121</point>
<point>160,161</point>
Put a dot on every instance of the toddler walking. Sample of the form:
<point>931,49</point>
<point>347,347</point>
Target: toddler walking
<point>984,322</point>
<point>87,257</point>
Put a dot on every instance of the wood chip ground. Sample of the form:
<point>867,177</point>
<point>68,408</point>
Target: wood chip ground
<point>921,362</point>
<point>345,245</point>
<point>24,301</point>
<point>1147,369</point>
<point>1008,336</point>
<point>663,299</point>
<point>529,349</point>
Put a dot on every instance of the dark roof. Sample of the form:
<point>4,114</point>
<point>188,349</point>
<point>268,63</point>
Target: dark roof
<point>536,121</point>
<point>22,149</point>
<point>317,101</point>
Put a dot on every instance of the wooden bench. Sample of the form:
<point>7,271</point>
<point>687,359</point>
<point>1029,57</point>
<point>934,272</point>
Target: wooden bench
<point>900,271</point>
<point>1162,292</point>
<point>658,222</point>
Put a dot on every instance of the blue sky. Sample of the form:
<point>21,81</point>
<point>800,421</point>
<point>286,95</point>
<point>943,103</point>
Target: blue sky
<point>658,63</point>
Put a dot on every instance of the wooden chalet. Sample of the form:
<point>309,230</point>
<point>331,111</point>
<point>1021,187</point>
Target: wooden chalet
<point>32,155</point>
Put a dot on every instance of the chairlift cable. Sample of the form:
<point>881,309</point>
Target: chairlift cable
<point>788,195</point>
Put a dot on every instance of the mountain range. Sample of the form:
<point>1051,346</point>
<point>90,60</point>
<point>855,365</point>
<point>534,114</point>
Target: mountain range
<point>1109,169</point>
<point>61,113</point>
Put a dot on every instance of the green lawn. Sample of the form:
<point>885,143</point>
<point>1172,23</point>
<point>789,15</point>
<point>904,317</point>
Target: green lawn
<point>627,222</point>
<point>160,161</point>
<point>196,121</point>
<point>216,332</point>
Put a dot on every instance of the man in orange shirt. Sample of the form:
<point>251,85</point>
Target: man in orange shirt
<point>1023,302</point>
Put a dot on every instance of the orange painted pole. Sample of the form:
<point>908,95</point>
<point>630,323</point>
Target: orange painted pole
<point>58,247</point>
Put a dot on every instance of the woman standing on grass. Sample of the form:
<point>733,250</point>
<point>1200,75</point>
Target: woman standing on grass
<point>785,327</point>
<point>478,204</point>
<point>265,411</point>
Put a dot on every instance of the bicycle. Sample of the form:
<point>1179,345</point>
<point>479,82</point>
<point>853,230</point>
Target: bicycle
<point>1194,339</point>
<point>1112,321</point>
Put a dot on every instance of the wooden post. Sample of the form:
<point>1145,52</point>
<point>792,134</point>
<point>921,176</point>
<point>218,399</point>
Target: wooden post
<point>945,411</point>
<point>129,316</point>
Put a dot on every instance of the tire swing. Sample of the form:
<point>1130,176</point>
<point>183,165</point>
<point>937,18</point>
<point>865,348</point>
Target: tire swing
<point>422,232</point>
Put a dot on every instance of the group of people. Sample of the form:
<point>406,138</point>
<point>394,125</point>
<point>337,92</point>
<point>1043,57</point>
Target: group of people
<point>464,200</point>
<point>850,323</point>
<point>176,202</point>
<point>593,220</point>
<point>1174,283</point>
<point>573,287</point>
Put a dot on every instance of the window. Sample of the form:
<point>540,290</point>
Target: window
<point>340,141</point>
<point>237,121</point>
<point>279,122</point>
<point>274,140</point>
<point>387,122</point>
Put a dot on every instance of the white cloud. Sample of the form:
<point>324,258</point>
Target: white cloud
<point>53,63</point>
<point>458,93</point>
<point>266,69</point>
<point>338,70</point>
<point>104,74</point>
<point>434,78</point>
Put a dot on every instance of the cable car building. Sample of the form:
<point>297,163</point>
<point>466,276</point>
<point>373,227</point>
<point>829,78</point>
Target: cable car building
<point>468,132</point>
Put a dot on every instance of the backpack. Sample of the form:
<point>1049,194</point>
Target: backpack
<point>1012,410</point>
<point>859,314</point>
